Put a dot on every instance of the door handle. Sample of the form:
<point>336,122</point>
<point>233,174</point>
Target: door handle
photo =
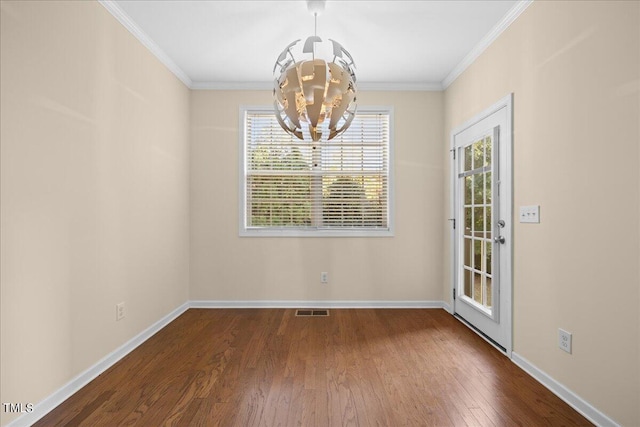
<point>499,239</point>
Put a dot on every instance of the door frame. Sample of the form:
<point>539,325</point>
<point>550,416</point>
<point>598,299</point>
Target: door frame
<point>506,189</point>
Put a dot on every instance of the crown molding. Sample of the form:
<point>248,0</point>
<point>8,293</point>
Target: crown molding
<point>146,41</point>
<point>486,41</point>
<point>364,86</point>
<point>231,86</point>
<point>398,86</point>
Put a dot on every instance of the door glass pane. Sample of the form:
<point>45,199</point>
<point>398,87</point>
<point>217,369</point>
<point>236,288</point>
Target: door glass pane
<point>478,222</point>
<point>477,254</point>
<point>467,283</point>
<point>477,287</point>
<point>489,293</point>
<point>467,252</point>
<point>487,183</point>
<point>487,222</point>
<point>468,221</point>
<point>478,189</point>
<point>487,151</point>
<point>478,154</point>
<point>489,258</point>
<point>468,189</point>
<point>468,158</point>
<point>484,289</point>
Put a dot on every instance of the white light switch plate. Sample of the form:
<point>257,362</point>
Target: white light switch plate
<point>530,214</point>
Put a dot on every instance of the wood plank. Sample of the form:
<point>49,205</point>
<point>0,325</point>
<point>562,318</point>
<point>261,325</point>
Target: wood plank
<point>266,367</point>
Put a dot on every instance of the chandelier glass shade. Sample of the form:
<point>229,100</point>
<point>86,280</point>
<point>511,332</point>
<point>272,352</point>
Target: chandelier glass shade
<point>315,92</point>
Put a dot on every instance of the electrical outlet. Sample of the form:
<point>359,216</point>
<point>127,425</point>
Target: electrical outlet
<point>120,311</point>
<point>324,277</point>
<point>564,340</point>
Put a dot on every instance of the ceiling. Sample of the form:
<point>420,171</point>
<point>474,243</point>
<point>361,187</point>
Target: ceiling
<point>395,44</point>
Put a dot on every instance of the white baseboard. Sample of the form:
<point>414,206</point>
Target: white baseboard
<point>572,399</point>
<point>447,307</point>
<point>315,304</point>
<point>52,401</point>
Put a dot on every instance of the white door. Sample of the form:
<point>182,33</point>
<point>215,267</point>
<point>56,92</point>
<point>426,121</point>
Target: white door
<point>482,214</point>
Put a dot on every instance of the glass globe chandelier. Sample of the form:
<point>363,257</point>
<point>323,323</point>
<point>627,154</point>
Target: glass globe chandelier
<point>310,90</point>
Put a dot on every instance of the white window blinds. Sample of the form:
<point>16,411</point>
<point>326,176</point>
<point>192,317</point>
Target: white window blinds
<point>307,187</point>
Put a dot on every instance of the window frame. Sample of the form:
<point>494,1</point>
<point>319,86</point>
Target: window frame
<point>245,231</point>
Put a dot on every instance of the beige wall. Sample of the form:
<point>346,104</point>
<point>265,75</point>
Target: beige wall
<point>574,70</point>
<point>94,197</point>
<point>405,267</point>
<point>100,204</point>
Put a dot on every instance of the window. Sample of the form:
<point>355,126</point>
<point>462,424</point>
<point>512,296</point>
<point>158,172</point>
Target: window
<point>291,187</point>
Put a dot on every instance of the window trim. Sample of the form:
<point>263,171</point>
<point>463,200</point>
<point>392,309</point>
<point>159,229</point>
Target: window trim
<point>244,231</point>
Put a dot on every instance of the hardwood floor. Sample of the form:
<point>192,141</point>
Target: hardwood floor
<point>255,367</point>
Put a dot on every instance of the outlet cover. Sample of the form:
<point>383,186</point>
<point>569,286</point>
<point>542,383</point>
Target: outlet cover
<point>324,277</point>
<point>564,340</point>
<point>119,311</point>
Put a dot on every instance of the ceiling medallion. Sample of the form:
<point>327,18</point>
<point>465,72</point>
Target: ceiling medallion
<point>310,90</point>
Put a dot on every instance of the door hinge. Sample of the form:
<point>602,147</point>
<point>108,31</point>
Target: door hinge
<point>453,221</point>
<point>454,294</point>
<point>453,151</point>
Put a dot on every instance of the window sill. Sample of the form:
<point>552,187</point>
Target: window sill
<point>288,232</point>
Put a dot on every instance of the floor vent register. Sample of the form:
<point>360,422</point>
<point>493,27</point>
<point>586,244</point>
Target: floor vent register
<point>312,313</point>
